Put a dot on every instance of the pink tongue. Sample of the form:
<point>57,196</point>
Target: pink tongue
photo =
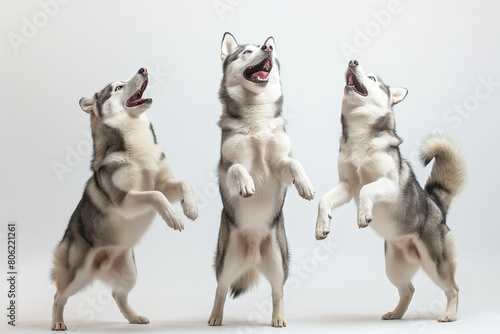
<point>262,74</point>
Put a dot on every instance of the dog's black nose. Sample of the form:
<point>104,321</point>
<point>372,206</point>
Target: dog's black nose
<point>267,48</point>
<point>143,70</point>
<point>353,63</point>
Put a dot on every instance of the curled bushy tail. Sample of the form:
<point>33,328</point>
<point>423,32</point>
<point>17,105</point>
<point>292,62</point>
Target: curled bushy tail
<point>449,173</point>
<point>244,282</point>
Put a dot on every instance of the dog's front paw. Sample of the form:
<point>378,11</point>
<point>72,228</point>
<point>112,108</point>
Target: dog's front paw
<point>323,227</point>
<point>172,218</point>
<point>59,326</point>
<point>304,187</point>
<point>364,217</point>
<point>139,319</point>
<point>189,208</point>
<point>246,187</point>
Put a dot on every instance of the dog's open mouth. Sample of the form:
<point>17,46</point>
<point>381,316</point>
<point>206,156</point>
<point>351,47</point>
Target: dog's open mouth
<point>137,99</point>
<point>259,73</point>
<point>353,82</point>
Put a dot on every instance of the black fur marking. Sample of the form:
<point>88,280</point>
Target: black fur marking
<point>231,108</point>
<point>432,189</point>
<point>86,229</point>
<point>100,187</point>
<point>278,219</point>
<point>105,183</point>
<point>162,156</point>
<point>233,56</point>
<point>114,142</point>
<point>133,260</point>
<point>386,89</point>
<point>102,97</point>
<point>345,128</point>
<point>383,124</point>
<point>283,244</point>
<point>279,106</point>
<point>153,132</point>
<point>222,243</point>
<point>235,293</point>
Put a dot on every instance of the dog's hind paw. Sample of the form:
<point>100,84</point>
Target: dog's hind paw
<point>215,321</point>
<point>447,318</point>
<point>391,316</point>
<point>278,322</point>
<point>59,326</point>
<point>139,319</point>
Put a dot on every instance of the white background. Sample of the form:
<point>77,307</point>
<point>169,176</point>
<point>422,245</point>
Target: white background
<point>52,54</point>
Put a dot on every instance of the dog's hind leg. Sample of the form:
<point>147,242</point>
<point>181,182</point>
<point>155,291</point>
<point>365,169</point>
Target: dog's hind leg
<point>230,264</point>
<point>402,262</point>
<point>71,273</point>
<point>440,266</point>
<point>274,266</point>
<point>82,278</point>
<point>122,276</point>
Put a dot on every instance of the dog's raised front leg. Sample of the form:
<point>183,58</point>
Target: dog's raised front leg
<point>291,171</point>
<point>176,190</point>
<point>135,201</point>
<point>337,196</point>
<point>239,181</point>
<point>382,190</point>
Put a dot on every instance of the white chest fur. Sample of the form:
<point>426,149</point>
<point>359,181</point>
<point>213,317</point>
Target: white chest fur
<point>257,141</point>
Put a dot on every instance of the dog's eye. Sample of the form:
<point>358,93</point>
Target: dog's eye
<point>247,52</point>
<point>373,78</point>
<point>118,88</point>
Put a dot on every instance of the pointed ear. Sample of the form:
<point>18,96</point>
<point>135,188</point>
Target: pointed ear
<point>398,94</point>
<point>87,104</point>
<point>229,45</point>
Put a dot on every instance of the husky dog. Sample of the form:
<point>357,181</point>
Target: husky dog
<point>254,171</point>
<point>389,199</point>
<point>131,182</point>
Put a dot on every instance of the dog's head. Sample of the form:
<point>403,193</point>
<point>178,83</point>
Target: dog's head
<point>250,68</point>
<point>119,99</point>
<point>367,90</point>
